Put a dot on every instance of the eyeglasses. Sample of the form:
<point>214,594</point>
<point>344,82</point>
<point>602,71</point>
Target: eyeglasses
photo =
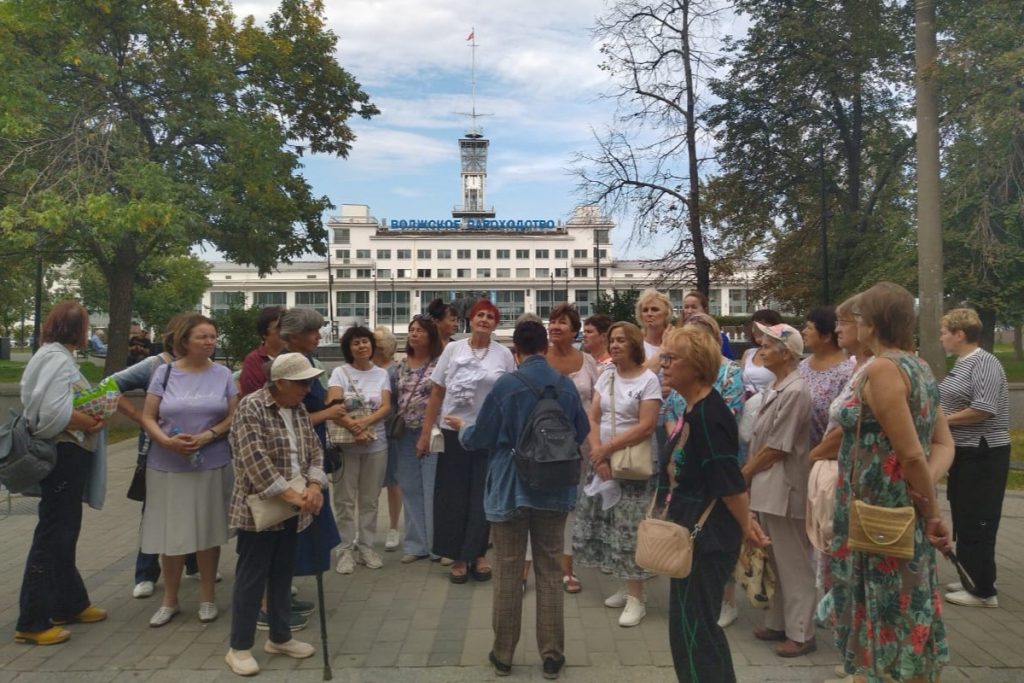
<point>857,315</point>
<point>303,382</point>
<point>844,321</point>
<point>668,359</point>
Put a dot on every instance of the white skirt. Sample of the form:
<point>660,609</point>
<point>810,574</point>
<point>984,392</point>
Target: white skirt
<point>186,511</point>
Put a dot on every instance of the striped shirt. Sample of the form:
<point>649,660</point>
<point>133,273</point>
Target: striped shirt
<point>978,381</point>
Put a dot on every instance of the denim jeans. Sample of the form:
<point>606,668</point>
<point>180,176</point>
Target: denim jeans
<point>52,588</point>
<point>416,479</point>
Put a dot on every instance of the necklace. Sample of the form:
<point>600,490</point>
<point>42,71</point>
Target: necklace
<point>480,357</point>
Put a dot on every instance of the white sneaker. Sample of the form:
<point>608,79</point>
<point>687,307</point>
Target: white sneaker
<point>163,615</point>
<point>391,543</point>
<point>617,599</point>
<point>965,599</point>
<point>954,587</point>
<point>143,589</point>
<point>241,662</point>
<point>633,613</point>
<point>728,615</point>
<point>346,562</point>
<point>207,612</point>
<point>293,648</point>
<point>370,558</point>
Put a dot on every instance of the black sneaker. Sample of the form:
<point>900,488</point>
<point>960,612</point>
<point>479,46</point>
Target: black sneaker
<point>553,667</point>
<point>303,607</point>
<point>499,668</point>
<point>296,622</point>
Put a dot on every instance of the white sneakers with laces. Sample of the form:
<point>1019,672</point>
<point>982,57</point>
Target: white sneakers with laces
<point>392,540</point>
<point>293,648</point>
<point>346,562</point>
<point>728,614</point>
<point>616,599</point>
<point>207,612</point>
<point>965,599</point>
<point>241,662</point>
<point>143,589</point>
<point>369,557</point>
<point>633,613</point>
<point>163,615</point>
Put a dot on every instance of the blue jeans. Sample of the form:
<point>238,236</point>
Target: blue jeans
<point>52,588</point>
<point>416,479</point>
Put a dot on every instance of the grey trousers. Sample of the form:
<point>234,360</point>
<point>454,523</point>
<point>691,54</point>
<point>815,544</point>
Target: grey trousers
<point>796,597</point>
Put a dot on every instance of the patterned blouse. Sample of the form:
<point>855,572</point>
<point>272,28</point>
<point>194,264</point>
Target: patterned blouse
<point>729,384</point>
<point>412,389</point>
<point>825,386</point>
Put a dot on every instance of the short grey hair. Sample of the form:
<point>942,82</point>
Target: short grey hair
<point>386,342</point>
<point>298,321</point>
<point>528,317</point>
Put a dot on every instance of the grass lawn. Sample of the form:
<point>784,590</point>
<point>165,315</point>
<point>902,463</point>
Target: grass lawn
<point>10,371</point>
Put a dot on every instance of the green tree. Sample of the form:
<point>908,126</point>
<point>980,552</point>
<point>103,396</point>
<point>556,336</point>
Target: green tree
<point>132,129</point>
<point>236,332</point>
<point>816,79</point>
<point>620,306</point>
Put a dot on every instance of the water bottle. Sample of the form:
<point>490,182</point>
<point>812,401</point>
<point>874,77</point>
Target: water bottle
<point>196,459</point>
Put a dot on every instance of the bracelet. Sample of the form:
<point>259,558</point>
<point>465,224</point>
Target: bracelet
<point>214,432</point>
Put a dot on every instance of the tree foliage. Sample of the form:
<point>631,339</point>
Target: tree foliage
<point>129,130</point>
<point>236,332</point>
<point>620,306</point>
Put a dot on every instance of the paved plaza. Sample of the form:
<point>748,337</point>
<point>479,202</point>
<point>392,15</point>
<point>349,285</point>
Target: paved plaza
<point>408,623</point>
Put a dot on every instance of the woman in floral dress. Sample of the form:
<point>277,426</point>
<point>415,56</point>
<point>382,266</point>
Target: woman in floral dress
<point>888,611</point>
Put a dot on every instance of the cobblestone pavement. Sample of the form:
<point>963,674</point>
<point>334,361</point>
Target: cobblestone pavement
<point>408,623</point>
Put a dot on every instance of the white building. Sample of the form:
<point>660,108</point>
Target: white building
<point>384,271</point>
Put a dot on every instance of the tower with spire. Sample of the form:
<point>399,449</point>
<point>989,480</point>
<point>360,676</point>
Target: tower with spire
<point>473,154</point>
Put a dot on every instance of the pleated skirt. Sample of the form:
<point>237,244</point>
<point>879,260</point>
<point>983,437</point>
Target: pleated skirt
<point>186,511</point>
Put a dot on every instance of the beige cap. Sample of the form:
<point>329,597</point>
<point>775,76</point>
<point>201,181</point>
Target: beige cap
<point>787,334</point>
<point>293,366</point>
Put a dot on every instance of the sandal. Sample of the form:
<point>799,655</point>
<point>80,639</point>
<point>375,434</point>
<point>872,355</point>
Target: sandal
<point>481,574</point>
<point>457,578</point>
<point>571,584</point>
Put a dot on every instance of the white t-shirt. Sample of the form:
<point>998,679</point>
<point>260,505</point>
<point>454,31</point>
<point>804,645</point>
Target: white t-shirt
<point>468,375</point>
<point>628,395</point>
<point>288,414</point>
<point>650,349</point>
<point>367,385</point>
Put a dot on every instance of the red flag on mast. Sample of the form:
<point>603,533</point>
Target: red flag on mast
<point>470,36</point>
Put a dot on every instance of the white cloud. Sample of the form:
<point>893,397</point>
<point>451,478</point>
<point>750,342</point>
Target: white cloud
<point>396,152</point>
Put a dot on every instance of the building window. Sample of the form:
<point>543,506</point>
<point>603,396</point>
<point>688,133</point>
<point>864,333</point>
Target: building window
<point>464,273</point>
<point>511,303</point>
<point>444,253</point>
<point>561,253</point>
<point>315,300</point>
<point>383,273</point>
<point>364,273</point>
<point>464,254</point>
<point>541,272</point>
<point>739,302</point>
<point>541,253</point>
<point>602,253</point>
<point>341,236</point>
<point>483,253</point>
<point>562,272</point>
<point>343,254</point>
<point>523,272</point>
<point>715,302</point>
<point>354,305</point>
<point>344,273</point>
<point>547,299</point>
<point>423,253</point>
<point>405,254</point>
<point>383,253</point>
<point>584,298</point>
<point>402,273</point>
<point>504,254</point>
<point>363,253</point>
<point>580,272</point>
<point>483,272</point>
<point>385,310</point>
<point>601,237</point>
<point>522,253</point>
<point>423,272</point>
<point>604,272</point>
<point>270,299</point>
<point>221,302</point>
<point>504,272</point>
<point>444,272</point>
<point>580,253</point>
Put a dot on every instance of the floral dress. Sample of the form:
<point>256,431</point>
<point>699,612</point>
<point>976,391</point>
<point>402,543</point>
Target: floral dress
<point>887,611</point>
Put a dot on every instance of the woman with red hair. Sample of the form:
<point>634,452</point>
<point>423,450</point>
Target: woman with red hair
<point>462,378</point>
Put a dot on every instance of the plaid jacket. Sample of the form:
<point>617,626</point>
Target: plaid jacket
<point>260,452</point>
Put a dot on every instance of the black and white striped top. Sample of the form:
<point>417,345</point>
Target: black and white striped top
<point>978,381</point>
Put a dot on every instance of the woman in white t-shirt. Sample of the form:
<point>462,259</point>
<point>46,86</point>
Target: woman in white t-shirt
<point>365,390</point>
<point>607,538</point>
<point>462,378</point>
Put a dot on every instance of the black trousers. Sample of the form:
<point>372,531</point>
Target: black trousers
<point>700,650</point>
<point>265,561</point>
<point>52,588</point>
<point>460,528</point>
<point>977,483</point>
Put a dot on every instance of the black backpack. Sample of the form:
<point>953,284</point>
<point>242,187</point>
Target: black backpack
<point>546,455</point>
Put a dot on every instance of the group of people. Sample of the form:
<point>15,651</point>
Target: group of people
<point>664,418</point>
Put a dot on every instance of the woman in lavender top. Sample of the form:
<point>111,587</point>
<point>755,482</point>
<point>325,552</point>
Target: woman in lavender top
<point>188,478</point>
<point>827,370</point>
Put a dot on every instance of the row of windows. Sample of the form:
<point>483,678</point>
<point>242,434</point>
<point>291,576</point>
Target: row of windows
<point>444,273</point>
<point>462,254</point>
<point>343,236</point>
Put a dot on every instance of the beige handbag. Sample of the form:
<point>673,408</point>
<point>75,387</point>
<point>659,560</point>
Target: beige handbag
<point>337,433</point>
<point>666,548</point>
<point>877,529</point>
<point>272,511</point>
<point>436,440</point>
<point>632,462</point>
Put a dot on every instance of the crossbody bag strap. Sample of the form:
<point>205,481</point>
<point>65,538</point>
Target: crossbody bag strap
<point>703,518</point>
<point>423,372</point>
<point>854,481</point>
<point>355,389</point>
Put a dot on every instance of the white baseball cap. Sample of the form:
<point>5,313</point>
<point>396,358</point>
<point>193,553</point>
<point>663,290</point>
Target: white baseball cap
<point>294,366</point>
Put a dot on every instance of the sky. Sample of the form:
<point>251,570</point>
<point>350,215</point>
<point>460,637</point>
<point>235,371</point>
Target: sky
<point>538,82</point>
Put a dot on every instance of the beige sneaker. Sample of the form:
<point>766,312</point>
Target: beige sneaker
<point>370,558</point>
<point>633,613</point>
<point>293,648</point>
<point>346,562</point>
<point>241,662</point>
<point>616,600</point>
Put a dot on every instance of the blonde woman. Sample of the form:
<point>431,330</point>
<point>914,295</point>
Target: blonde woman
<point>383,358</point>
<point>654,313</point>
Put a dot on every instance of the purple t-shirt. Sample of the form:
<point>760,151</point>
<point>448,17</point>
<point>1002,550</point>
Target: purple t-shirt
<point>192,403</point>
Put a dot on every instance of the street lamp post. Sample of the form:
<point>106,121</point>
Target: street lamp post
<point>551,301</point>
<point>392,303</point>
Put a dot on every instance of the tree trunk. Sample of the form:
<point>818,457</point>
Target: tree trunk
<point>120,286</point>
<point>1018,342</point>
<point>988,328</point>
<point>700,259</point>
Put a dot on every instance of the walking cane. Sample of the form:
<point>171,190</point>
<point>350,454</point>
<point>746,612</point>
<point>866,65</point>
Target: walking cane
<point>320,597</point>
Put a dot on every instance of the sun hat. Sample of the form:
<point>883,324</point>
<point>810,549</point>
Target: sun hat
<point>293,366</point>
<point>787,334</point>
